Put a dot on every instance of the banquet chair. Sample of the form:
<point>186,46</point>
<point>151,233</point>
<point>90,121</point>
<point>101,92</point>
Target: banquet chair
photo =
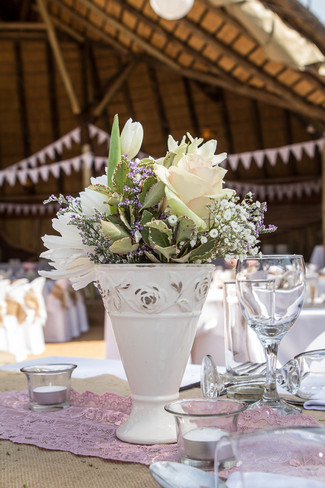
<point>62,316</point>
<point>14,319</point>
<point>36,316</point>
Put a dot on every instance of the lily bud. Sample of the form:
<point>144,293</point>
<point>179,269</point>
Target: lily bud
<point>131,138</point>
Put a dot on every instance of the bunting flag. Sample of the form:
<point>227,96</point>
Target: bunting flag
<point>28,209</point>
<point>51,151</point>
<point>28,168</point>
<point>45,171</point>
<point>272,155</point>
<point>278,191</point>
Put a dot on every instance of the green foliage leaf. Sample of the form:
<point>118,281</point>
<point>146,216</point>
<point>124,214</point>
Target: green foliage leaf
<point>123,217</point>
<point>169,159</point>
<point>185,229</point>
<point>151,257</point>
<point>101,189</point>
<point>146,185</point>
<point>114,154</point>
<point>146,217</point>
<point>203,252</point>
<point>113,231</point>
<point>154,195</point>
<point>123,246</point>
<point>120,176</point>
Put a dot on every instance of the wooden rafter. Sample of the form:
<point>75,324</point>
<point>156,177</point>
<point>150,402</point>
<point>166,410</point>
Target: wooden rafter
<point>59,58</point>
<point>128,32</point>
<point>88,25</point>
<point>304,108</point>
<point>113,88</point>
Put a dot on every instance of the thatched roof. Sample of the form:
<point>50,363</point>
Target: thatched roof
<point>216,72</point>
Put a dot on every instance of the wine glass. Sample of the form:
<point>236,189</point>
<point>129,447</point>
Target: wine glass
<point>271,291</point>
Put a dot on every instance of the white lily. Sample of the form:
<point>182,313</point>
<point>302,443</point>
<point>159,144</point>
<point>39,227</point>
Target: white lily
<point>131,138</point>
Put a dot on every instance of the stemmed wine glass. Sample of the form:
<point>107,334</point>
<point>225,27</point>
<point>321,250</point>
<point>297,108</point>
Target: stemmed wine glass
<point>271,291</point>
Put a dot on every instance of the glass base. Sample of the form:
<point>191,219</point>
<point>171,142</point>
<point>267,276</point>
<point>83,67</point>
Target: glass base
<point>36,407</point>
<point>280,405</point>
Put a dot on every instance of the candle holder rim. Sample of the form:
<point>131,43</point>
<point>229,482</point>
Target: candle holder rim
<point>36,368</point>
<point>169,409</point>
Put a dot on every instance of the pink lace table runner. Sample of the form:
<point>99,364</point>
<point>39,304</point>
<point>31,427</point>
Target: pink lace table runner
<point>88,427</point>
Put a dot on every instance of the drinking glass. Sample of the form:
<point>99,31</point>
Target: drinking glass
<point>271,291</point>
<point>290,457</point>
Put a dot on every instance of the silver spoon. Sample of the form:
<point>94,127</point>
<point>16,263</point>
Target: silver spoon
<point>177,475</point>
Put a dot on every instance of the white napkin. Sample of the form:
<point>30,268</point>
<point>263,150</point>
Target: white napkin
<point>317,402</point>
<point>271,480</point>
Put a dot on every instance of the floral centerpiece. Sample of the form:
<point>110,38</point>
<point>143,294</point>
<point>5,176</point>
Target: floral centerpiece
<point>170,210</point>
<point>145,233</point>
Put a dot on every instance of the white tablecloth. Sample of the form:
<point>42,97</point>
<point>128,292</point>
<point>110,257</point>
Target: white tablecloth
<point>307,334</point>
<point>89,367</point>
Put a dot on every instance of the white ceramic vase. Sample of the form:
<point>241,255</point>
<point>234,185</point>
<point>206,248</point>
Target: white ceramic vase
<point>154,309</point>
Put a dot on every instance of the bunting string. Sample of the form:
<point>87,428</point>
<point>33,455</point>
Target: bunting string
<point>35,168</point>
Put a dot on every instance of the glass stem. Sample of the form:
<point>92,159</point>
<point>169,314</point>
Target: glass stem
<point>271,354</point>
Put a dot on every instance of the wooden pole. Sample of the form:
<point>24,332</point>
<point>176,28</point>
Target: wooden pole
<point>59,58</point>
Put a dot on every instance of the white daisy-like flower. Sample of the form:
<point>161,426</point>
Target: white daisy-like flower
<point>172,219</point>
<point>203,239</point>
<point>214,233</point>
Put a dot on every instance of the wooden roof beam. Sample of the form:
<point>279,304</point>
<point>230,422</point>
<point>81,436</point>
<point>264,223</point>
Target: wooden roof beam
<point>59,58</point>
<point>88,25</point>
<point>263,96</point>
<point>97,111</point>
<point>128,32</point>
<point>71,32</point>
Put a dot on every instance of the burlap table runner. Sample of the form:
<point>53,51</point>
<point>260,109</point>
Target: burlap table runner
<point>31,467</point>
<point>25,466</point>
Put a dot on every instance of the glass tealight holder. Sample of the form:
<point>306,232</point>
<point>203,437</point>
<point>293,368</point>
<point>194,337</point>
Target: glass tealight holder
<point>49,386</point>
<point>200,424</point>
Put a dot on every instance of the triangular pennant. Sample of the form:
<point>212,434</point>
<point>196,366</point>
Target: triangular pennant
<point>259,158</point>
<point>66,140</point>
<point>76,163</point>
<point>272,155</point>
<point>42,210</point>
<point>41,156</point>
<point>55,170</point>
<point>75,135</point>
<point>246,159</point>
<point>50,151</point>
<point>22,164</point>
<point>284,153</point>
<point>44,172</point>
<point>309,148</point>
<point>33,174</point>
<point>298,190</point>
<point>296,149</point>
<point>59,146</point>
<point>32,161</point>
<point>99,162</point>
<point>102,136</point>
<point>66,166</point>
<point>10,208</point>
<point>22,176</point>
<point>92,130</point>
<point>11,177</point>
<point>233,161</point>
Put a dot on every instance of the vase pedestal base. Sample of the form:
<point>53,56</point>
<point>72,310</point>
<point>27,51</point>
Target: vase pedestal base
<point>149,423</point>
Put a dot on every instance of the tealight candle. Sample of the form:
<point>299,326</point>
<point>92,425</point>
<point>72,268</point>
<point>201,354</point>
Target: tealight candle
<point>50,395</point>
<point>201,443</point>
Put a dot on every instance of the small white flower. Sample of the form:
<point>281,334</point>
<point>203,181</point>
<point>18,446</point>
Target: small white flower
<point>172,219</point>
<point>203,239</point>
<point>227,214</point>
<point>137,236</point>
<point>193,242</point>
<point>214,233</point>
